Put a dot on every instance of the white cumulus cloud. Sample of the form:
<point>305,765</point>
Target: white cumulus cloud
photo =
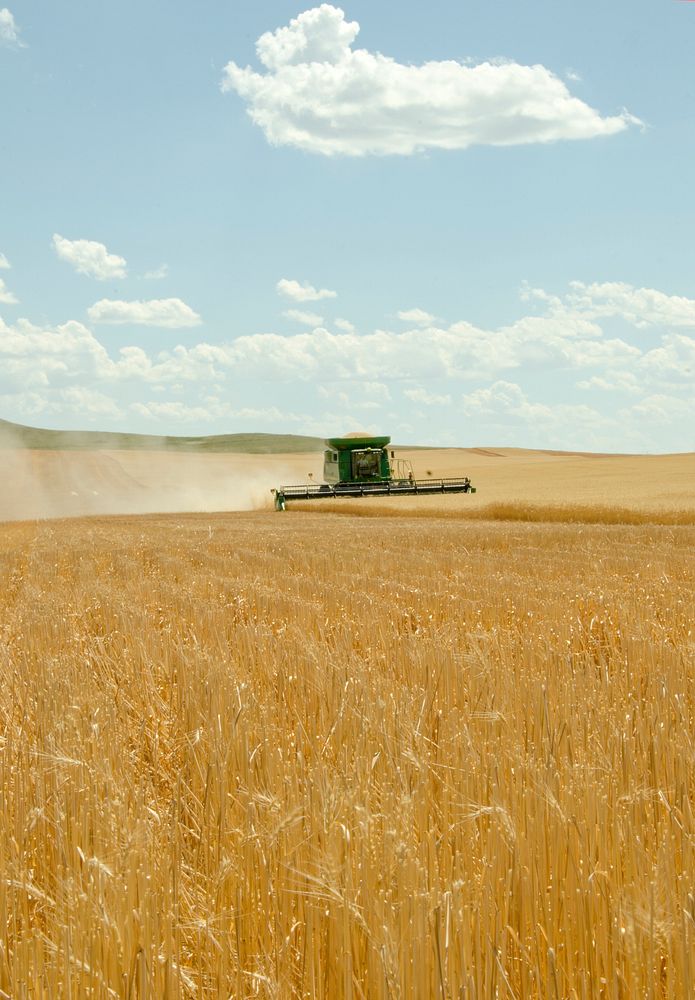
<point>416,316</point>
<point>427,398</point>
<point>7,297</point>
<point>305,292</point>
<point>319,94</point>
<point>4,262</point>
<point>673,360</point>
<point>36,357</point>
<point>90,258</point>
<point>618,382</point>
<point>9,32</point>
<point>170,313</point>
<point>506,402</point>
<point>662,409</point>
<point>360,394</point>
<point>307,318</point>
<point>90,401</point>
<point>211,408</point>
<point>482,372</point>
<point>640,306</point>
<point>558,340</point>
<point>176,410</point>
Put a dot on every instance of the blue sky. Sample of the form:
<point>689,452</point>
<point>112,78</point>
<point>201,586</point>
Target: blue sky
<point>464,224</point>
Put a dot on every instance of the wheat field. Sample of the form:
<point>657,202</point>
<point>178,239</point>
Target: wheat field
<point>322,755</point>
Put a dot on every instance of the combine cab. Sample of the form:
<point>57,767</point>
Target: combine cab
<point>366,467</point>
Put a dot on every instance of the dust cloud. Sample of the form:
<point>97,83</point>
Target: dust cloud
<point>72,483</point>
<point>46,484</point>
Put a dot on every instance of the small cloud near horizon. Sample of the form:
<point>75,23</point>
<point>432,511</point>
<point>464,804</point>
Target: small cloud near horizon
<point>307,318</point>
<point>291,289</point>
<point>417,316</point>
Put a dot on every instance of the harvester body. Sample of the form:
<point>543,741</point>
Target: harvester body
<point>366,467</point>
<point>356,460</point>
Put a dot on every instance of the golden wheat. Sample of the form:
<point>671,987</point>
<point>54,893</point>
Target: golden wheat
<point>555,513</point>
<point>319,756</point>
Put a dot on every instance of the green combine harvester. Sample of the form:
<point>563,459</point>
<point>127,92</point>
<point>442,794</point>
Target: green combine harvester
<point>366,467</point>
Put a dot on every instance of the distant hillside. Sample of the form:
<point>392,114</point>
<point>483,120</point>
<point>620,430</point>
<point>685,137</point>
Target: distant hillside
<point>16,435</point>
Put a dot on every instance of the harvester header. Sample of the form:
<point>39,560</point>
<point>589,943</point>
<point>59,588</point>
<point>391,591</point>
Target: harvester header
<point>363,466</point>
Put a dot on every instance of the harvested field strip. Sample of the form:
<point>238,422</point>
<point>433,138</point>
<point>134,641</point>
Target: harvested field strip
<point>322,757</point>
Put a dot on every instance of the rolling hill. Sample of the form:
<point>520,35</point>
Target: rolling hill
<point>18,435</point>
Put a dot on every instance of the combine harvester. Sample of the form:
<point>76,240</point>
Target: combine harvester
<point>366,467</point>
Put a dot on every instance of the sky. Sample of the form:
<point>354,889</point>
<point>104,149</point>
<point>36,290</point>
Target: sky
<point>460,223</point>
